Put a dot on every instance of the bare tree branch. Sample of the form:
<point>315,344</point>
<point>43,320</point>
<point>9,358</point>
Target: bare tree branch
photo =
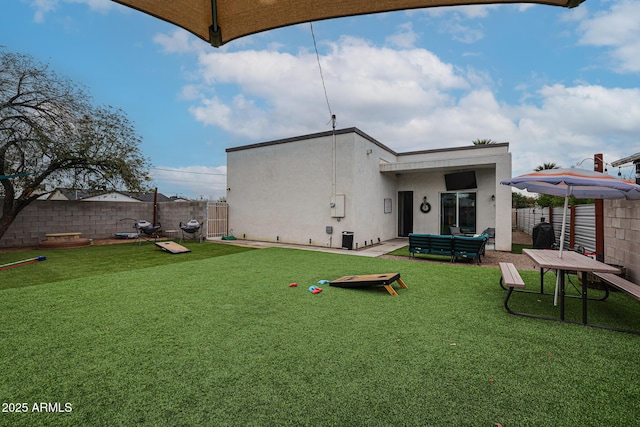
<point>52,136</point>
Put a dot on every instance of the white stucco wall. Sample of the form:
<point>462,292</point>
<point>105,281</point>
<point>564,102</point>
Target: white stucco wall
<point>423,173</point>
<point>281,191</point>
<point>367,189</point>
<point>503,203</point>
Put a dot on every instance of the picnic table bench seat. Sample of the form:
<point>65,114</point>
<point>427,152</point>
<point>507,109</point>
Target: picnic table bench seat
<point>510,278</point>
<point>620,283</point>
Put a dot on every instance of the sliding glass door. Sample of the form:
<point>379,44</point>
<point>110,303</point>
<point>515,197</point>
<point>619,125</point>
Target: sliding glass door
<point>458,209</point>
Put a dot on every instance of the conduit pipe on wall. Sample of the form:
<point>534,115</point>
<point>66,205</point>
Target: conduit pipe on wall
<point>333,155</point>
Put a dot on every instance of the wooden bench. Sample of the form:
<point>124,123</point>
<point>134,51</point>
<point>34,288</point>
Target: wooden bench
<point>510,278</point>
<point>63,240</point>
<point>62,236</point>
<point>620,283</point>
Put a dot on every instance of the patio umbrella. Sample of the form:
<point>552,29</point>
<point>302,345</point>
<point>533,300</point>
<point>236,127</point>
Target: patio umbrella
<point>220,21</point>
<point>580,183</point>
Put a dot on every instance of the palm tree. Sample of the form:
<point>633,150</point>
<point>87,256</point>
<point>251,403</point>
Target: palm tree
<point>546,166</point>
<point>546,200</point>
<point>483,141</point>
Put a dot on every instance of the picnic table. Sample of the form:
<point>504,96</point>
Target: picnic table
<point>570,261</point>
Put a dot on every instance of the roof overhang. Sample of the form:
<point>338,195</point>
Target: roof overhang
<point>220,21</point>
<point>635,158</point>
<point>439,165</point>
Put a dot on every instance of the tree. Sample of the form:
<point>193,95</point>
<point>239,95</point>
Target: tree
<point>51,136</point>
<point>483,142</point>
<point>546,166</point>
<point>519,200</point>
<point>546,200</point>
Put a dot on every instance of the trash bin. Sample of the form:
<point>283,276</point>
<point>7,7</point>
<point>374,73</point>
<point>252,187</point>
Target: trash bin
<point>347,240</point>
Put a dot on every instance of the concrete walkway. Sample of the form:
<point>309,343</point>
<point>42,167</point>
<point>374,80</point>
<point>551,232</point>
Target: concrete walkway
<point>372,251</point>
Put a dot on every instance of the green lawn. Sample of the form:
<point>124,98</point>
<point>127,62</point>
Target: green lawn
<point>211,339</point>
<point>65,264</point>
<point>517,248</point>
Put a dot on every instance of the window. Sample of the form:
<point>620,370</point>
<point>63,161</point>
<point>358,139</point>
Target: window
<point>458,209</point>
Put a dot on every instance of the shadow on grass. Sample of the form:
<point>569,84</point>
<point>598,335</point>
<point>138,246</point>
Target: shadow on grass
<point>64,264</point>
<point>404,251</point>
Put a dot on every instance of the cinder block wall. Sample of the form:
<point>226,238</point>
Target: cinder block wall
<point>95,220</point>
<point>622,236</point>
<point>171,214</point>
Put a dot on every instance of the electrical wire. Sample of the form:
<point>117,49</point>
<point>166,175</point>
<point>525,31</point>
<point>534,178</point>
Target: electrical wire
<point>326,97</point>
<point>184,171</point>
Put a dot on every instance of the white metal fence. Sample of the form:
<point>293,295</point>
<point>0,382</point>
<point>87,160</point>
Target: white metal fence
<point>217,219</point>
<point>584,231</point>
<point>527,218</point>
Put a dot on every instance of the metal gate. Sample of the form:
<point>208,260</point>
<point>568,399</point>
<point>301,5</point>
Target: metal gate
<point>217,219</point>
<point>585,227</point>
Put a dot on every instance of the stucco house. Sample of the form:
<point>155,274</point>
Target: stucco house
<point>326,188</point>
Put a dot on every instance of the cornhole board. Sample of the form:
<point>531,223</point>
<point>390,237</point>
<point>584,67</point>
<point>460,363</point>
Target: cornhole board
<point>369,280</point>
<point>172,247</point>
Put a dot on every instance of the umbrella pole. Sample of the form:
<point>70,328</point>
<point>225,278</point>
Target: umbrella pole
<point>564,226</point>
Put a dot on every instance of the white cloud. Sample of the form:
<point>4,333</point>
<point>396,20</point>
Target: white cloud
<point>462,32</point>
<point>572,123</point>
<point>409,100</point>
<point>179,41</point>
<point>463,23</point>
<point>465,11</point>
<point>404,38</point>
<point>282,93</point>
<point>95,5</point>
<point>523,7</point>
<point>43,7</point>
<point>403,95</point>
<point>619,30</point>
<point>458,26</point>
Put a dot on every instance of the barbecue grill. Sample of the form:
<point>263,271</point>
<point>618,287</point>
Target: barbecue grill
<point>148,230</point>
<point>191,230</point>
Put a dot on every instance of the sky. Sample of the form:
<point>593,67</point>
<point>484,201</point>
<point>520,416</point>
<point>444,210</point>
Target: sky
<point>559,85</point>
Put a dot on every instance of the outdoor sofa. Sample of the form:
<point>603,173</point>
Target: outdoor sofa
<point>452,246</point>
